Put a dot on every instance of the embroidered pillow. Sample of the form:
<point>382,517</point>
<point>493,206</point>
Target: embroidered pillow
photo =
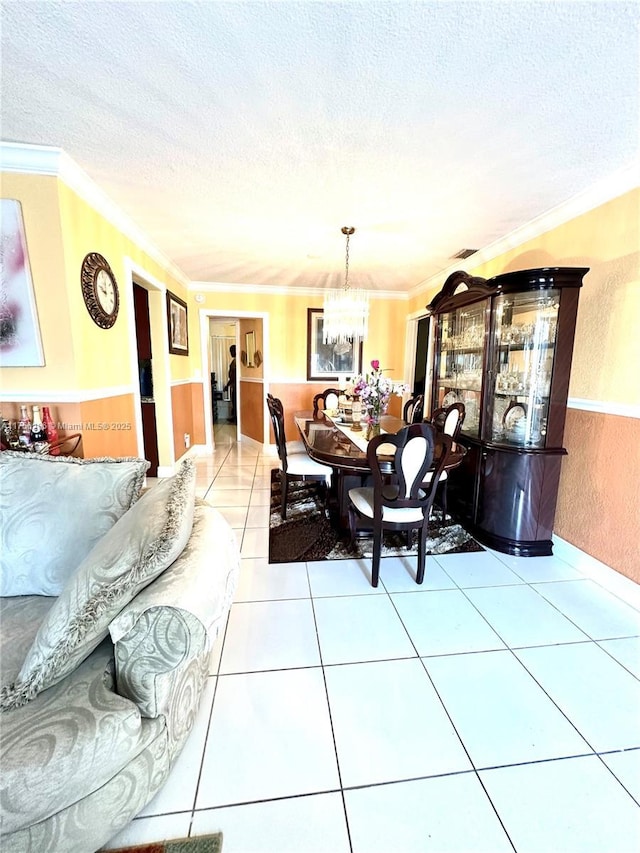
<point>53,510</point>
<point>138,548</point>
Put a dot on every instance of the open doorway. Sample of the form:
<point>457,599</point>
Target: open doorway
<point>251,331</point>
<point>223,336</point>
<point>145,377</point>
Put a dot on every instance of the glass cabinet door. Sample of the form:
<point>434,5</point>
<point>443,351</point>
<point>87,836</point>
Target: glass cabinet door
<point>459,363</point>
<point>524,338</point>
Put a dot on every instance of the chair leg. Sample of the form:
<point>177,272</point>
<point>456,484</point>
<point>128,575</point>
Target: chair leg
<point>422,553</point>
<point>283,489</point>
<point>375,562</point>
<point>324,491</point>
<point>444,501</point>
<point>352,526</point>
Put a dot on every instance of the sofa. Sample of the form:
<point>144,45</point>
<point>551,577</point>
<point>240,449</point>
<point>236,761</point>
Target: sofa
<point>111,597</point>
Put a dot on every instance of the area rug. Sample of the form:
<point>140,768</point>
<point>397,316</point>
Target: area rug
<point>307,534</point>
<point>197,844</point>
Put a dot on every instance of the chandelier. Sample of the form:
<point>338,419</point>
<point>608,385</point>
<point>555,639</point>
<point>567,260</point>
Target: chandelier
<point>346,310</point>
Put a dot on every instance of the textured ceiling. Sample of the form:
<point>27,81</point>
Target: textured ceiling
<point>241,136</point>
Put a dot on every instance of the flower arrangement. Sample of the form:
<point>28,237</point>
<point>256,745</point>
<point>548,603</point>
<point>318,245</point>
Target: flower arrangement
<point>374,391</point>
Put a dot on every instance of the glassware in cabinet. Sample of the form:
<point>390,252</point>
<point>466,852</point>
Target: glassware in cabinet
<point>523,346</point>
<point>460,361</point>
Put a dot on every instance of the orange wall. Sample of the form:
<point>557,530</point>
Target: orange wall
<point>188,415</point>
<point>597,504</point>
<point>108,427</point>
<point>252,409</point>
<point>295,397</point>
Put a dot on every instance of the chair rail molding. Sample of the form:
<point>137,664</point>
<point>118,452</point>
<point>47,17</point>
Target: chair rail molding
<point>623,410</point>
<point>53,395</point>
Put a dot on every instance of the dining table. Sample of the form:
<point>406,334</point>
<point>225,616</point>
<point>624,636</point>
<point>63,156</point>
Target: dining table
<point>333,441</point>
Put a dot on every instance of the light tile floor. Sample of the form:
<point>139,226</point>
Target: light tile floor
<point>495,708</point>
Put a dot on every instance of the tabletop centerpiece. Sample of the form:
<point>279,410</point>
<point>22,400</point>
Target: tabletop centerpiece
<point>374,392</point>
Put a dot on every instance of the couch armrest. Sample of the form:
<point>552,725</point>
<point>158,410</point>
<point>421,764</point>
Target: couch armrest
<point>163,637</point>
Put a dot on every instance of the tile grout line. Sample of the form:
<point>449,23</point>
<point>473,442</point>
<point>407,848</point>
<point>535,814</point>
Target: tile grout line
<point>333,734</point>
<point>507,647</point>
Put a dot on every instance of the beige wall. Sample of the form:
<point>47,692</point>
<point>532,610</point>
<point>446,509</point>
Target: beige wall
<point>607,344</point>
<point>81,358</point>
<point>251,325</point>
<point>286,347</point>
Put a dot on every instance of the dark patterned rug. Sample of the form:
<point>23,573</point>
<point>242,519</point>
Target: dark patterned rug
<point>307,533</point>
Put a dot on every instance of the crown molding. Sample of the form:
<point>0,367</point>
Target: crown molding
<point>282,290</point>
<point>46,160</point>
<point>620,182</point>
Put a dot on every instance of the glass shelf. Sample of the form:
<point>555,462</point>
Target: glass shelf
<point>524,334</point>
<point>460,362</point>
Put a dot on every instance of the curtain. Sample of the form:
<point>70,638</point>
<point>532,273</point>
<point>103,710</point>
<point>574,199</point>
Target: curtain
<point>221,359</point>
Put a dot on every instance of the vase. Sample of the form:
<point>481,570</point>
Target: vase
<point>373,429</point>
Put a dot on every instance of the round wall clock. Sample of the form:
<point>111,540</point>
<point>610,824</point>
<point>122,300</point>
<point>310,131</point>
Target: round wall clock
<point>99,290</point>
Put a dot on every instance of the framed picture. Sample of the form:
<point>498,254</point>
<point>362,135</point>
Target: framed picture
<point>20,342</point>
<point>177,320</point>
<point>329,361</point>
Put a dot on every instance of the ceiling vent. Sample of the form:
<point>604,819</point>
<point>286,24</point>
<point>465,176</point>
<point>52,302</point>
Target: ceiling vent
<point>464,253</point>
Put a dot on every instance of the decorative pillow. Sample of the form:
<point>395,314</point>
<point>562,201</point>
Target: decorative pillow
<point>53,510</point>
<point>139,547</point>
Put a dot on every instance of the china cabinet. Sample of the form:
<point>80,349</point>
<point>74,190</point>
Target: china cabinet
<point>503,347</point>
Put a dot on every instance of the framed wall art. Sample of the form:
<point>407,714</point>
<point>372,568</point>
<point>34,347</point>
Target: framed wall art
<point>177,321</point>
<point>329,361</point>
<point>20,341</point>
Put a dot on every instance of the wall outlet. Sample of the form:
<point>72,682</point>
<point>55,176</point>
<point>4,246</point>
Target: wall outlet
<point>187,440</point>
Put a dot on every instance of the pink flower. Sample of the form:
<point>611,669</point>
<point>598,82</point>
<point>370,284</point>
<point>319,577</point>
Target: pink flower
<point>375,364</point>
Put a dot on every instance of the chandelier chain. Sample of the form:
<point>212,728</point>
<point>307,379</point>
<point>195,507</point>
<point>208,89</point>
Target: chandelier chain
<point>346,265</point>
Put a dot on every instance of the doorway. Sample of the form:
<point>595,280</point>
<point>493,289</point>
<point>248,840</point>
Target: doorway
<point>252,373</point>
<point>145,378</point>
<point>422,348</point>
<point>223,334</point>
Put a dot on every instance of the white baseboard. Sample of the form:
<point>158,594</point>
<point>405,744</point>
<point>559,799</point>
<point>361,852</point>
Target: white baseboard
<point>194,450</point>
<point>245,441</point>
<point>618,584</point>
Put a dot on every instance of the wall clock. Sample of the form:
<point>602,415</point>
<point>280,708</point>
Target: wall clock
<point>99,290</point>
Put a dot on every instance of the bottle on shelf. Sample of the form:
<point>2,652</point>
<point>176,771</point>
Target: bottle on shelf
<point>50,428</point>
<point>24,430</point>
<point>38,432</point>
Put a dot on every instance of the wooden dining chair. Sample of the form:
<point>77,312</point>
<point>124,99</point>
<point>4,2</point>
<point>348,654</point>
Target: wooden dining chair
<point>413,411</point>
<point>327,399</point>
<point>449,421</point>
<point>294,466</point>
<point>399,500</point>
<point>292,446</point>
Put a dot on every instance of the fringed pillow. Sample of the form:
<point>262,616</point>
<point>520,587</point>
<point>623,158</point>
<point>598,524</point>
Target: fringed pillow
<point>138,548</point>
<point>53,510</point>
